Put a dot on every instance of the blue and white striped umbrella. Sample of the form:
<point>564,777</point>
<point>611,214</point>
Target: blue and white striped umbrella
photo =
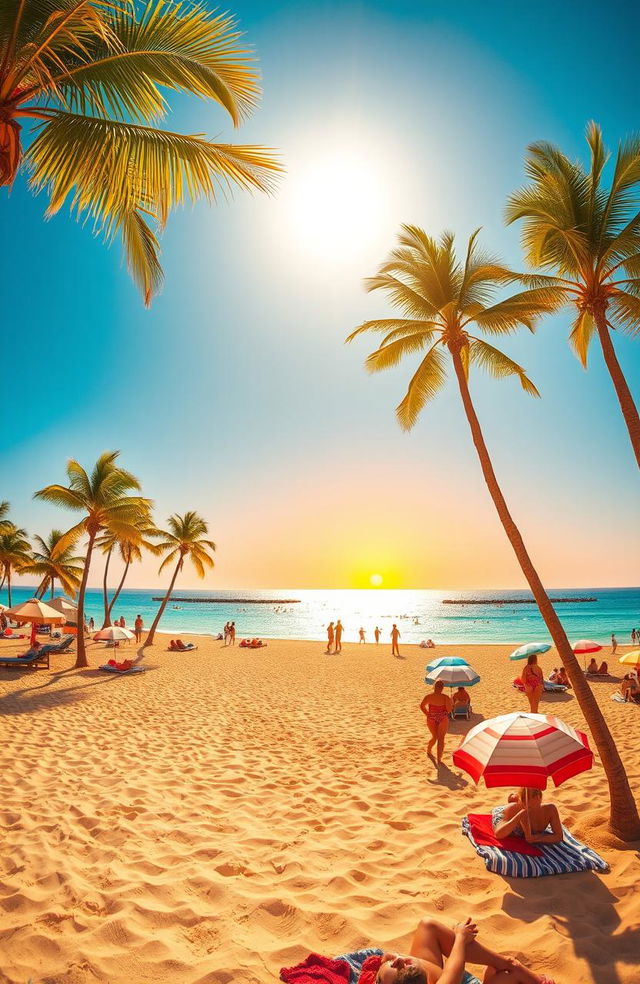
<point>454,676</point>
<point>531,648</point>
<point>447,661</point>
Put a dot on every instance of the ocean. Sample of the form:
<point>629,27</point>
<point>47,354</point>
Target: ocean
<point>419,614</point>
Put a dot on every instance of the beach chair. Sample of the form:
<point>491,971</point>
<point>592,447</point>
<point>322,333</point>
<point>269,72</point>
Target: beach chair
<point>59,647</point>
<point>36,659</point>
<point>461,711</point>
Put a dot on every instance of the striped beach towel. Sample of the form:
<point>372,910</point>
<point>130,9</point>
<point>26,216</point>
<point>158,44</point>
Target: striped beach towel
<point>557,859</point>
<point>356,960</point>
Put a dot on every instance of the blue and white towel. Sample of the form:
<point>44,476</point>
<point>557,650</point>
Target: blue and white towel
<point>557,859</point>
<point>356,960</point>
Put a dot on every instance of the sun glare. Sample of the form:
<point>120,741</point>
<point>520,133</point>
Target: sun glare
<point>376,580</point>
<point>336,204</point>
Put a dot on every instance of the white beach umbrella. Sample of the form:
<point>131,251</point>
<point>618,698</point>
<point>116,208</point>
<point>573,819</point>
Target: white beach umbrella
<point>453,676</point>
<point>113,633</point>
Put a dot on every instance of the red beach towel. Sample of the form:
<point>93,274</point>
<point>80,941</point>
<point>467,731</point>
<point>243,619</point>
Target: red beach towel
<point>317,970</point>
<point>370,968</point>
<point>481,829</point>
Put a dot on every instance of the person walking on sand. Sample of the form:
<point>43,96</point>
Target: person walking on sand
<point>614,644</point>
<point>361,634</point>
<point>232,634</point>
<point>92,625</point>
<point>138,626</point>
<point>533,682</point>
<point>339,631</point>
<point>395,635</point>
<point>376,633</point>
<point>330,635</point>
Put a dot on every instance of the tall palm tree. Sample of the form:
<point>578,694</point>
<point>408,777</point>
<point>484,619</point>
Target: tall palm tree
<point>130,546</point>
<point>90,77</point>
<point>54,560</point>
<point>440,299</point>
<point>15,553</point>
<point>184,538</point>
<point>589,234</point>
<point>102,497</point>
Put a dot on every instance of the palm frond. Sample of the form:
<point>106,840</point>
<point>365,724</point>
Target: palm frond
<point>58,495</point>
<point>582,331</point>
<point>497,364</point>
<point>626,312</point>
<point>522,309</point>
<point>390,354</point>
<point>424,385</point>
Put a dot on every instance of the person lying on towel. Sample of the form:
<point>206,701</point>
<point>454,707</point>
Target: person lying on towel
<point>435,946</point>
<point>527,816</point>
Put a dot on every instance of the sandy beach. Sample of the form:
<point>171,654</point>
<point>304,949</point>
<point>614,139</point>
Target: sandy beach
<point>228,811</point>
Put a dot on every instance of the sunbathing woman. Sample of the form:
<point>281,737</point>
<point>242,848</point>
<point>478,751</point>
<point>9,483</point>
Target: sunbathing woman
<point>527,816</point>
<point>461,697</point>
<point>562,678</point>
<point>433,942</point>
<point>629,687</point>
<point>533,682</point>
<point>437,708</point>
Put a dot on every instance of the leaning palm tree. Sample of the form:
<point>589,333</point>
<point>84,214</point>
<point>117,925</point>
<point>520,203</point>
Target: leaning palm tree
<point>441,300</point>
<point>184,538</point>
<point>588,233</point>
<point>102,497</point>
<point>129,545</point>
<point>54,560</point>
<point>15,554</point>
<point>90,76</point>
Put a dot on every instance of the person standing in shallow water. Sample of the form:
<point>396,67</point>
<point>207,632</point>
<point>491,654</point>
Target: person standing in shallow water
<point>330,635</point>
<point>395,635</point>
<point>339,631</point>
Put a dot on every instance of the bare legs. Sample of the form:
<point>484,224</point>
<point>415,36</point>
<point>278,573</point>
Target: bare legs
<point>534,699</point>
<point>432,941</point>
<point>438,735</point>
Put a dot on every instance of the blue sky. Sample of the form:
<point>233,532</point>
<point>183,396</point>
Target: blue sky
<point>234,394</point>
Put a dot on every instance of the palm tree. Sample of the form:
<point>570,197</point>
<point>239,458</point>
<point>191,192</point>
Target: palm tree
<point>184,538</point>
<point>90,76</point>
<point>440,299</point>
<point>589,234</point>
<point>15,553</point>
<point>102,496</point>
<point>130,546</point>
<point>53,560</point>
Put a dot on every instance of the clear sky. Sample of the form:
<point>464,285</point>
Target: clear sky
<point>235,396</point>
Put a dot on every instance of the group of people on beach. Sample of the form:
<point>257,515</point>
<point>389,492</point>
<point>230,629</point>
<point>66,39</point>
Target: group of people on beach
<point>336,629</point>
<point>229,633</point>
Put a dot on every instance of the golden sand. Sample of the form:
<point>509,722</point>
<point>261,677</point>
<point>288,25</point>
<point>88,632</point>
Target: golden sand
<point>228,811</point>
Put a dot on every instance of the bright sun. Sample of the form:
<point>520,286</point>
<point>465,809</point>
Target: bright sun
<point>375,580</point>
<point>336,204</point>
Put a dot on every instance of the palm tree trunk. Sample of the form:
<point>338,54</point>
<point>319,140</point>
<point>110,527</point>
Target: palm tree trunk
<point>42,587</point>
<point>625,399</point>
<point>118,589</point>
<point>105,597</point>
<point>81,658</point>
<point>152,630</point>
<point>53,581</point>
<point>623,817</point>
<point>9,586</point>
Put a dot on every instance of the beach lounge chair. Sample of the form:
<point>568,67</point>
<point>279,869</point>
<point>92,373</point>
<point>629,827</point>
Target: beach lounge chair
<point>36,659</point>
<point>554,688</point>
<point>550,859</point>
<point>59,647</point>
<point>461,711</point>
<point>109,668</point>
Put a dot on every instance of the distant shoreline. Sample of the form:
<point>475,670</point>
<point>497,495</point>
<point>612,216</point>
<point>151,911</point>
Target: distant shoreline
<point>512,601</point>
<point>233,601</point>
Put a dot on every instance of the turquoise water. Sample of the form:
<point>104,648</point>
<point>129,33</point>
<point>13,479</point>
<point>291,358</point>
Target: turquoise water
<point>616,610</point>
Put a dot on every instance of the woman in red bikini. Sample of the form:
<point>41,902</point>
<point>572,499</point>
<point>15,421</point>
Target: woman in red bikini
<point>437,707</point>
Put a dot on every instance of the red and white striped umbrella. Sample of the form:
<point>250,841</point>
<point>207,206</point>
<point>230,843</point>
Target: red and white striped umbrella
<point>524,750</point>
<point>583,646</point>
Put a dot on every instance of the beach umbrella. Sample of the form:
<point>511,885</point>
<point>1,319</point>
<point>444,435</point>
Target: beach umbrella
<point>584,646</point>
<point>447,661</point>
<point>531,648</point>
<point>66,607</point>
<point>113,633</point>
<point>631,659</point>
<point>454,676</point>
<point>523,750</point>
<point>35,611</point>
